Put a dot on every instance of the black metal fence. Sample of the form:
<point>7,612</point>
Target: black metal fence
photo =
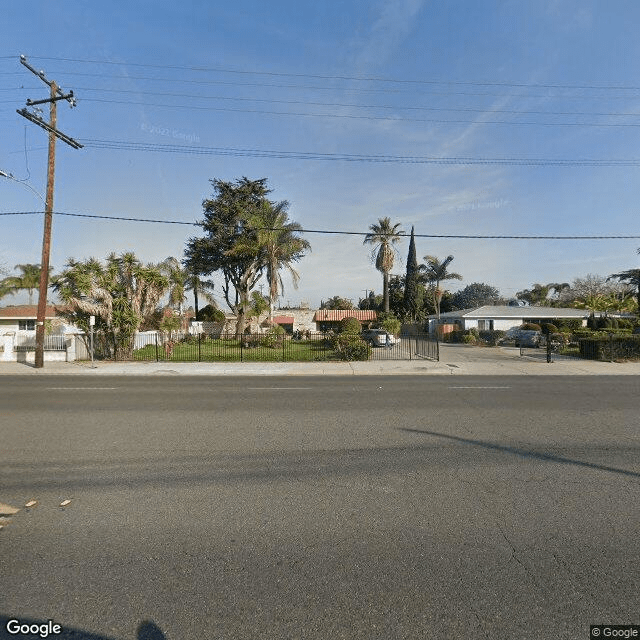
<point>262,347</point>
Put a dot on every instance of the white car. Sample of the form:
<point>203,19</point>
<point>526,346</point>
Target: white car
<point>379,337</point>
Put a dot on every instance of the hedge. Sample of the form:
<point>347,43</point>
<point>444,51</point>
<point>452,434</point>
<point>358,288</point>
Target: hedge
<point>617,347</point>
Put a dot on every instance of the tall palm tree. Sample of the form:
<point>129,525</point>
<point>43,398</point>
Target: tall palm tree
<point>434,272</point>
<point>383,236</point>
<point>274,238</point>
<point>177,276</point>
<point>282,247</point>
<point>201,289</point>
<point>29,280</point>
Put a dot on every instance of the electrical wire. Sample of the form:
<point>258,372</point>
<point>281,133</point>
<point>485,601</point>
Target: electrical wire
<point>341,77</point>
<point>334,232</point>
<point>314,87</point>
<point>307,155</point>
<point>364,106</point>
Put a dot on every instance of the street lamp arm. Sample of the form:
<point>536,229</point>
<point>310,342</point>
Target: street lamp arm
<point>10,176</point>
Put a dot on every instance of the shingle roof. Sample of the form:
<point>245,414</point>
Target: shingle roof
<point>26,312</point>
<point>335,315</point>
<point>491,311</point>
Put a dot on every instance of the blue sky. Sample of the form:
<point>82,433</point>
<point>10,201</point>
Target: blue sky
<point>545,79</point>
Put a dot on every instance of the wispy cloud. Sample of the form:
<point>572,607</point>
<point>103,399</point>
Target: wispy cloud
<point>387,32</point>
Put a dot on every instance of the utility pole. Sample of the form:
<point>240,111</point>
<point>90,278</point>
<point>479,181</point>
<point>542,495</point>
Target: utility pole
<point>55,94</point>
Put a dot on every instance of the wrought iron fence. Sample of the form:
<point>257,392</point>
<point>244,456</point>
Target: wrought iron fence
<point>261,347</point>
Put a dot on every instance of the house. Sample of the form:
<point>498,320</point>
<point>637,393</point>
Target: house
<point>329,319</point>
<point>18,334</point>
<point>286,322</point>
<point>489,318</point>
<point>23,318</point>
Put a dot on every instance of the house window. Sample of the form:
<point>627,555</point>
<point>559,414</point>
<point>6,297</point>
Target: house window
<point>27,325</point>
<point>485,325</point>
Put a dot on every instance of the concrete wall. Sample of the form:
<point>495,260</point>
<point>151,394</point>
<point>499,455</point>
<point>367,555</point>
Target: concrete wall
<point>9,354</point>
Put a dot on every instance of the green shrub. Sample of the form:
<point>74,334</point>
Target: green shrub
<point>491,338</point>
<point>604,347</point>
<point>548,327</point>
<point>273,337</point>
<point>210,314</point>
<point>467,336</point>
<point>389,322</point>
<point>350,325</point>
<point>570,324</point>
<point>530,326</point>
<point>350,346</point>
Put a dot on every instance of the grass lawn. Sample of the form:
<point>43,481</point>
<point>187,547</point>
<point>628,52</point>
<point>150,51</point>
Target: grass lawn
<point>230,351</point>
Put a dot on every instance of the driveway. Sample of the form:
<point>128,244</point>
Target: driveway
<point>465,353</point>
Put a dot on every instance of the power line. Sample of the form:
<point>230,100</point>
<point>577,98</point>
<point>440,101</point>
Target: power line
<point>367,117</point>
<point>342,77</point>
<point>308,155</point>
<point>326,88</point>
<point>334,232</point>
<point>360,106</point>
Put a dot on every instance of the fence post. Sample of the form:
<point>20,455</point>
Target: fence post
<point>284,340</point>
<point>241,346</point>
<point>157,357</point>
<point>199,351</point>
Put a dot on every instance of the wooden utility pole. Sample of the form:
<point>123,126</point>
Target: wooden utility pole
<point>46,238</point>
<point>55,94</point>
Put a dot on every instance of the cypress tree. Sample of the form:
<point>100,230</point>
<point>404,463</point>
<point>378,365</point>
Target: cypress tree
<point>412,297</point>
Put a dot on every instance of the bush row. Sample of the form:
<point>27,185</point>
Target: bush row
<point>616,347</point>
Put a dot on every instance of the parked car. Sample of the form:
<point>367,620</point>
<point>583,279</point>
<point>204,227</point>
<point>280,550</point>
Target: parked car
<point>528,338</point>
<point>378,337</point>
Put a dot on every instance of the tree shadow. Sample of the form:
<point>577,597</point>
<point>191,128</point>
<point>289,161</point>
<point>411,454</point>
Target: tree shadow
<point>524,453</point>
<point>147,630</point>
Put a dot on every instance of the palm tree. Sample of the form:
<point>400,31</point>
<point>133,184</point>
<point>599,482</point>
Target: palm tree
<point>281,247</point>
<point>275,240</point>
<point>201,289</point>
<point>177,277</point>
<point>434,272</point>
<point>29,280</point>
<point>383,236</point>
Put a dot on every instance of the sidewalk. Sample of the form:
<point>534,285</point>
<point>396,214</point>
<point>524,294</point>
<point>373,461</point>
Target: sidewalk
<point>453,361</point>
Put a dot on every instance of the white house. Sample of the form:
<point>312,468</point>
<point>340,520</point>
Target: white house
<point>18,334</point>
<point>489,317</point>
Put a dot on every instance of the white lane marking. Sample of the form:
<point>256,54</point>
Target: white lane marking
<point>81,388</point>
<point>479,387</point>
<point>280,388</point>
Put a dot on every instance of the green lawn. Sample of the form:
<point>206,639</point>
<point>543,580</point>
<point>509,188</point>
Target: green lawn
<point>230,351</point>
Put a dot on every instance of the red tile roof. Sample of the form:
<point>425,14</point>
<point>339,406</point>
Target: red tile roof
<point>26,311</point>
<point>283,320</point>
<point>335,315</point>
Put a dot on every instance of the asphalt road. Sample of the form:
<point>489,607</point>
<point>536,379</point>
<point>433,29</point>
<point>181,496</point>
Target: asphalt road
<point>320,508</point>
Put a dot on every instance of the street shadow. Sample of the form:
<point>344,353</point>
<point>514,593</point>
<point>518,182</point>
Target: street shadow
<point>147,630</point>
<point>524,453</point>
